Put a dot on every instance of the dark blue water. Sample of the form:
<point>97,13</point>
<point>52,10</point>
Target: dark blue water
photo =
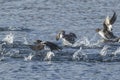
<point>43,19</point>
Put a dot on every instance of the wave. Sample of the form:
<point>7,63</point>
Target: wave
<point>67,54</point>
<point>14,29</point>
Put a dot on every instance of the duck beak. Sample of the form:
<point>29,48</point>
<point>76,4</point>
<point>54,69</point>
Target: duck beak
<point>57,37</point>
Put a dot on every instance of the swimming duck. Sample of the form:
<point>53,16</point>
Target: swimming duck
<point>68,39</point>
<point>40,45</point>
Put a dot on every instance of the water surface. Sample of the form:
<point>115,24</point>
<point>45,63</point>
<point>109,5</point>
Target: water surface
<point>42,19</point>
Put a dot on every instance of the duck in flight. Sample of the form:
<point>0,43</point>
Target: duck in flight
<point>67,39</point>
<point>106,33</point>
<point>40,45</point>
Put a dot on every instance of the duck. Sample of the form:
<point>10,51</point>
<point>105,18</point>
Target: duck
<point>40,45</point>
<point>106,33</point>
<point>37,46</point>
<point>67,39</point>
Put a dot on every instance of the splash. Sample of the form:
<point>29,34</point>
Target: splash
<point>79,55</point>
<point>116,52</point>
<point>29,57</point>
<point>103,52</point>
<point>76,54</point>
<point>83,41</point>
<point>86,42</point>
<point>49,56</point>
<point>9,38</point>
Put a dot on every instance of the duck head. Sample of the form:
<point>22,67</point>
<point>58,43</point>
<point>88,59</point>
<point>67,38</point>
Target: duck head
<point>60,35</point>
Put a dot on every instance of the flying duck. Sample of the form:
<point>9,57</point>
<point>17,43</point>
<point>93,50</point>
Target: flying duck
<point>40,45</point>
<point>106,33</point>
<point>68,39</point>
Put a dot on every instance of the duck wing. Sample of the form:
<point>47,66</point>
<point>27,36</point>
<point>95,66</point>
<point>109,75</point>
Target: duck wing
<point>52,46</point>
<point>113,19</point>
<point>105,27</point>
<point>109,35</point>
<point>108,22</point>
<point>69,38</point>
<point>73,35</point>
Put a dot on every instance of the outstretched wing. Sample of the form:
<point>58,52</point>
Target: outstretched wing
<point>105,27</point>
<point>110,35</point>
<point>113,19</point>
<point>52,46</point>
<point>107,24</point>
<point>69,38</point>
<point>73,35</point>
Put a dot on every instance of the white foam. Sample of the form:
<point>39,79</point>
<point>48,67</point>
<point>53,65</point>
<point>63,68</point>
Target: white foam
<point>29,57</point>
<point>9,38</point>
<point>103,52</point>
<point>49,56</point>
<point>85,42</point>
<point>117,51</point>
<point>76,54</point>
<point>82,41</point>
<point>79,54</point>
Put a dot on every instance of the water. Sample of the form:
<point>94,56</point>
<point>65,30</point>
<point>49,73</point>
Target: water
<point>24,21</point>
<point>35,70</point>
